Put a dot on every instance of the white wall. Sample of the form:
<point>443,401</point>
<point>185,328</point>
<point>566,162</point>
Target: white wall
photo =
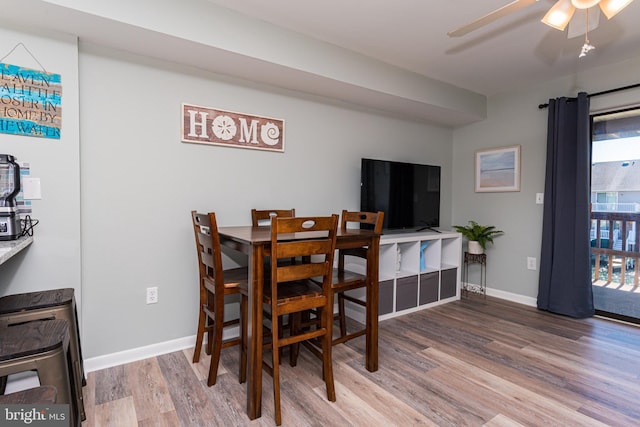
<point>514,118</point>
<point>139,182</point>
<point>53,260</point>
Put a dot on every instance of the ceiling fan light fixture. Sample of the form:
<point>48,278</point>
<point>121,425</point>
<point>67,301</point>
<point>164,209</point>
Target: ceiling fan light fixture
<point>584,4</point>
<point>560,14</point>
<point>610,8</point>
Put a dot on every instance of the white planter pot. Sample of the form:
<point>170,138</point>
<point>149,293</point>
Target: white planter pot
<point>475,248</point>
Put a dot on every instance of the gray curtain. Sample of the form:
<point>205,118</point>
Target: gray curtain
<point>565,265</point>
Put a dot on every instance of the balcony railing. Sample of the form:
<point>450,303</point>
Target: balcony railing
<point>619,251</point>
<point>615,207</point>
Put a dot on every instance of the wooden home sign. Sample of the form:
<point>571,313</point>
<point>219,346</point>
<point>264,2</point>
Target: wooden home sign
<point>30,102</point>
<point>205,125</point>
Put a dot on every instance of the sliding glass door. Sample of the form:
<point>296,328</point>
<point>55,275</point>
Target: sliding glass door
<point>615,214</point>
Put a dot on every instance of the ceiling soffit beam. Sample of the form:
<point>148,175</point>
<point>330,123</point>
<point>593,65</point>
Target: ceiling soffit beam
<point>200,34</point>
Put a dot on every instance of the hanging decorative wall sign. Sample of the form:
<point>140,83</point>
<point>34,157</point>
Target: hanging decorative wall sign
<point>205,125</point>
<point>30,102</point>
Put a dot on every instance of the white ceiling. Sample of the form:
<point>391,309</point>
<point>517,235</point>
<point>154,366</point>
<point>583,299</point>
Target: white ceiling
<point>514,51</point>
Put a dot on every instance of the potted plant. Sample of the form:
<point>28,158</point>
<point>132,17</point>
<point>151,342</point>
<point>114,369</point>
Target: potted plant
<point>478,235</point>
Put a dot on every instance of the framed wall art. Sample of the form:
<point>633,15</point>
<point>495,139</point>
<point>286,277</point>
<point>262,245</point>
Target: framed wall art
<point>206,125</point>
<point>498,169</point>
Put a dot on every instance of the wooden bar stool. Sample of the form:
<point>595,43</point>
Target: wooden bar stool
<point>344,280</point>
<point>41,346</point>
<point>215,284</point>
<point>289,291</point>
<point>43,305</point>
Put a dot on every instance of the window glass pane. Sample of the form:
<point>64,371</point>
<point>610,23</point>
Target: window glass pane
<point>615,214</point>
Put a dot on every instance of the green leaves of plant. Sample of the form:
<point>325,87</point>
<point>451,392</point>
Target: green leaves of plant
<point>482,234</point>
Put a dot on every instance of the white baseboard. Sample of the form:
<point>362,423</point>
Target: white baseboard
<point>128,356</point>
<point>140,353</point>
<point>520,299</point>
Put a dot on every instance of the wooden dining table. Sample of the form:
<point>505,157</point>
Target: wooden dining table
<point>255,243</point>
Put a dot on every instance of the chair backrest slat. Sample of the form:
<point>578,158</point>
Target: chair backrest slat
<point>263,217</point>
<point>376,219</point>
<point>205,229</point>
<point>310,247</point>
<point>299,272</point>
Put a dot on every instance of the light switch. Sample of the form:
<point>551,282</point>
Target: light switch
<point>539,198</point>
<point>31,188</point>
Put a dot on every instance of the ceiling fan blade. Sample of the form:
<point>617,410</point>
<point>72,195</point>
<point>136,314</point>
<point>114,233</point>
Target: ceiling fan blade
<point>490,17</point>
<point>610,8</point>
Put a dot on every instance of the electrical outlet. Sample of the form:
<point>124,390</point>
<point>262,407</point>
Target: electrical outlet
<point>152,295</point>
<point>531,263</point>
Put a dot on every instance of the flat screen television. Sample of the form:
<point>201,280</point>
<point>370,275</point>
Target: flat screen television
<point>407,193</point>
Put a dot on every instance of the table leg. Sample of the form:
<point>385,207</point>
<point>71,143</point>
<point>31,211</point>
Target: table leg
<point>373,255</point>
<point>254,322</point>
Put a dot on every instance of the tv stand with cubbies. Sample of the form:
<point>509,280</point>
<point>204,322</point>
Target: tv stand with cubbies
<point>417,270</point>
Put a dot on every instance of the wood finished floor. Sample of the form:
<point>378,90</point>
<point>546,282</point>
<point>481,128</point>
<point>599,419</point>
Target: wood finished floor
<point>471,362</point>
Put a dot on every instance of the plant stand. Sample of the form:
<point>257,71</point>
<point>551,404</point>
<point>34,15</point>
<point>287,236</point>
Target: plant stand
<point>480,288</point>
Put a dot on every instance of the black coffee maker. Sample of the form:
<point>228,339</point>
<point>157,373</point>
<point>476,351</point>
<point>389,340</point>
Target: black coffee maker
<point>10,228</point>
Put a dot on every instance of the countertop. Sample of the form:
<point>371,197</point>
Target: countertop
<point>9,248</point>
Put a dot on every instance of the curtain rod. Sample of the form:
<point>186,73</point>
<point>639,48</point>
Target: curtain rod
<point>604,92</point>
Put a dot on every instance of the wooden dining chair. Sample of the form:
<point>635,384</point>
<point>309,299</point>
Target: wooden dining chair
<point>215,285</point>
<point>260,217</point>
<point>345,280</point>
<point>290,290</point>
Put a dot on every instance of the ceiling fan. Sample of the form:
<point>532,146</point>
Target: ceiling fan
<point>557,17</point>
